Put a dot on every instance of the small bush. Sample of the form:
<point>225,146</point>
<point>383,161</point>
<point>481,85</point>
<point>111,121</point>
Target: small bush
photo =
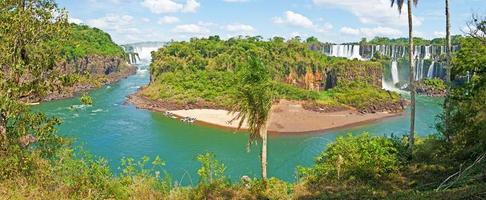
<point>86,100</point>
<point>362,157</point>
<point>435,83</point>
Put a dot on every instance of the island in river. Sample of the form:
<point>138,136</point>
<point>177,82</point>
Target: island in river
<point>198,80</point>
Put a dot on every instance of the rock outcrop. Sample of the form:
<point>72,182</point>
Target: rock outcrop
<point>99,70</point>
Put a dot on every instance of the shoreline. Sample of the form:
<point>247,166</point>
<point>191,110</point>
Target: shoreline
<point>78,89</point>
<point>288,117</point>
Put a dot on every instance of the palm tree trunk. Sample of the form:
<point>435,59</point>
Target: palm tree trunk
<point>448,67</point>
<point>264,153</point>
<point>411,137</point>
<point>448,42</point>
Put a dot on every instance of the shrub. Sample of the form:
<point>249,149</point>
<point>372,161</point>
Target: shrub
<point>435,83</point>
<point>363,95</point>
<point>362,157</point>
<point>86,100</point>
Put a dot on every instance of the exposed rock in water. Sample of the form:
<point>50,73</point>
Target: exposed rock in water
<point>431,91</point>
<point>391,107</point>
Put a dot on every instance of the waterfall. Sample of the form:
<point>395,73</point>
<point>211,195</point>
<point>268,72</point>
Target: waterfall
<point>394,72</point>
<point>145,53</point>
<point>430,72</point>
<point>345,51</point>
<point>141,52</point>
<point>396,53</point>
<point>419,69</point>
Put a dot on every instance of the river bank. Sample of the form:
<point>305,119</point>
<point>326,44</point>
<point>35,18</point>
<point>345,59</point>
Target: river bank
<point>107,73</point>
<point>288,117</point>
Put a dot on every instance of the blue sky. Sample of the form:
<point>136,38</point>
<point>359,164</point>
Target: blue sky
<point>329,20</point>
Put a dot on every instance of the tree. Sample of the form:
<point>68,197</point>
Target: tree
<point>464,119</point>
<point>27,63</point>
<point>253,104</point>
<point>399,3</point>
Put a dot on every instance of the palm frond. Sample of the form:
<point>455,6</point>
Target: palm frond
<point>253,99</point>
<point>399,4</point>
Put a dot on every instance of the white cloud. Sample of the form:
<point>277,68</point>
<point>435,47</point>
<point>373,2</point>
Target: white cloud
<point>112,22</point>
<point>240,28</point>
<point>371,32</point>
<point>325,28</point>
<point>168,20</point>
<point>350,31</point>
<point>376,12</point>
<point>121,27</point>
<point>299,20</point>
<point>191,6</point>
<point>194,29</point>
<point>294,19</point>
<point>144,19</point>
<point>75,20</point>
<point>170,6</point>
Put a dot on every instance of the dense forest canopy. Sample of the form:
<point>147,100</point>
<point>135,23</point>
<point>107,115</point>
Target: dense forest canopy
<point>82,40</point>
<point>456,39</point>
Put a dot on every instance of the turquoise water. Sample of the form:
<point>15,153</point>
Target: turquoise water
<point>113,129</point>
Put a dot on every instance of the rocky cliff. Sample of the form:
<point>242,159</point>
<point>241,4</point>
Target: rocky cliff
<point>82,74</point>
<point>345,72</point>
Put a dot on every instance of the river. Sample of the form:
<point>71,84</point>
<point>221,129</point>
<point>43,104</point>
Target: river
<point>113,129</point>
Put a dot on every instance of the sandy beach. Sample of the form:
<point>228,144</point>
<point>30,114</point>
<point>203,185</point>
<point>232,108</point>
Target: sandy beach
<point>287,116</point>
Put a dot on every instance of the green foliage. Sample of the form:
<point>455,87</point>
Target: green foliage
<point>211,86</point>
<point>272,189</point>
<point>211,170</point>
<point>416,40</point>
<point>184,87</point>
<point>287,91</point>
<point>279,56</point>
<point>464,119</point>
<point>364,158</point>
<point>362,96</point>
<point>86,100</point>
<point>436,83</point>
<point>84,41</point>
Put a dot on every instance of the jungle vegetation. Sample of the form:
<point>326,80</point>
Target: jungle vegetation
<point>206,69</point>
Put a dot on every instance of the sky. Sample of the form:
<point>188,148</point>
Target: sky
<point>338,21</point>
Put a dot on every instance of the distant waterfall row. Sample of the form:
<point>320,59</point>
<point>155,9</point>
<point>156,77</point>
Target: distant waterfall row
<point>430,54</point>
<point>141,52</point>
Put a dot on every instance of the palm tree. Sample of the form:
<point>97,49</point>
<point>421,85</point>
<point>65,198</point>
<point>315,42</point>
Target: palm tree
<point>399,3</point>
<point>253,103</point>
